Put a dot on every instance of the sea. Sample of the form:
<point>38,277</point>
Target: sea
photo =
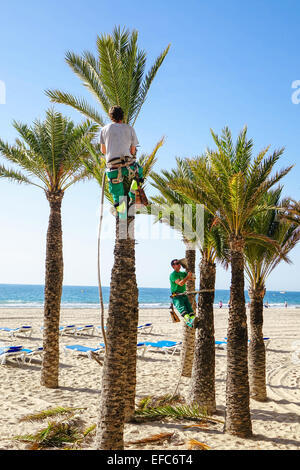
<point>32,296</point>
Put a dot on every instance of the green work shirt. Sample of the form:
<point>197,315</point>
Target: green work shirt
<point>175,287</point>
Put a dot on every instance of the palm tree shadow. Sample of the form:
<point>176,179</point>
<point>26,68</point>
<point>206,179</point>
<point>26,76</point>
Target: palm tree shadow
<point>276,440</point>
<point>264,415</point>
<point>152,359</point>
<point>277,351</point>
<point>83,390</point>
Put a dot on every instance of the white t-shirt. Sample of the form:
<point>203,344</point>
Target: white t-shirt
<point>118,138</point>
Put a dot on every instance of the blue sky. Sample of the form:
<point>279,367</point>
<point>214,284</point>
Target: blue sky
<point>230,63</point>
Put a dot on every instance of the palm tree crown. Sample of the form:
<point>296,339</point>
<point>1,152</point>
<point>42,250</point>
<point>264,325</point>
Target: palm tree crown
<point>50,151</point>
<point>115,77</point>
<point>262,259</point>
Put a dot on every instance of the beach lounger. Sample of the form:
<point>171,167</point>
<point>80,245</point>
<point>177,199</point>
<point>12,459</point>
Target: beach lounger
<point>67,329</point>
<point>81,330</point>
<point>29,354</point>
<point>168,347</point>
<point>26,330</point>
<point>10,352</point>
<point>147,328</point>
<point>85,350</point>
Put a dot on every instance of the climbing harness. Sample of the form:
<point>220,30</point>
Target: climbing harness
<point>117,171</point>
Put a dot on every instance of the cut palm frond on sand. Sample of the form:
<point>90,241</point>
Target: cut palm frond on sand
<point>196,445</point>
<point>55,435</point>
<point>46,414</point>
<point>191,412</point>
<point>199,425</point>
<point>164,436</point>
<point>154,402</point>
<point>69,434</point>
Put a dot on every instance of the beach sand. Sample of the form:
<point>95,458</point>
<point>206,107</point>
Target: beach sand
<point>276,423</point>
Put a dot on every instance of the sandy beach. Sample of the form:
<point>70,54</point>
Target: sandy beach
<point>276,423</point>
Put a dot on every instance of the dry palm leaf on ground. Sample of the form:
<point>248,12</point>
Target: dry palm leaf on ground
<point>164,436</point>
<point>196,445</point>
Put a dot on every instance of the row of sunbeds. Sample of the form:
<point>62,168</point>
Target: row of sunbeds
<point>69,329</point>
<point>22,354</point>
<point>168,347</point>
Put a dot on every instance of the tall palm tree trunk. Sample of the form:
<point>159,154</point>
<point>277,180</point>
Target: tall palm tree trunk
<point>132,331</point>
<point>257,351</point>
<point>114,393</point>
<point>203,376</point>
<point>238,421</point>
<point>188,334</point>
<point>53,292</point>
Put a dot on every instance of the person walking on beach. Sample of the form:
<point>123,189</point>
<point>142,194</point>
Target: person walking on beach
<point>285,304</point>
<point>220,304</point>
<point>118,142</point>
<point>178,280</point>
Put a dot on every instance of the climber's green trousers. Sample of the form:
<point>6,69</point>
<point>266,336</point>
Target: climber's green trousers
<point>183,305</point>
<point>125,177</point>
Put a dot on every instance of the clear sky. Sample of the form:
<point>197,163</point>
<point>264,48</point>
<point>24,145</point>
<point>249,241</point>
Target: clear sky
<point>231,63</point>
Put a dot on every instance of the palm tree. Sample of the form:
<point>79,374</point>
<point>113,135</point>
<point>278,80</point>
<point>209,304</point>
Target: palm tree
<point>116,77</point>
<point>50,151</point>
<point>261,260</point>
<point>231,186</point>
<point>211,249</point>
<point>169,209</point>
<point>119,374</point>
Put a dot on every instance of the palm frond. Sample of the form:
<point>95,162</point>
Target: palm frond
<point>80,104</point>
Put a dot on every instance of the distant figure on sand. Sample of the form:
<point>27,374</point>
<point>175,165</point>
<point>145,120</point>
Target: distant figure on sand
<point>220,304</point>
<point>285,304</point>
<point>267,305</point>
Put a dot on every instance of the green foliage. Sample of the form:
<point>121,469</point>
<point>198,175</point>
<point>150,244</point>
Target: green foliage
<point>170,209</point>
<point>263,258</point>
<point>45,414</point>
<point>291,211</point>
<point>70,431</point>
<point>53,435</point>
<point>153,402</point>
<point>192,412</point>
<point>170,407</point>
<point>48,151</point>
<point>116,76</point>
<point>231,184</point>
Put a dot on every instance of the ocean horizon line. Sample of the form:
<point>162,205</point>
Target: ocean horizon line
<point>14,296</point>
<point>140,287</point>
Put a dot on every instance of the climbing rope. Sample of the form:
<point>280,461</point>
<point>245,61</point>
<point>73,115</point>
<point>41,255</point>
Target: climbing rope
<point>99,275</point>
<point>192,292</point>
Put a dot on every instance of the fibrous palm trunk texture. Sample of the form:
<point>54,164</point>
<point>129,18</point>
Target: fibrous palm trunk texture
<point>238,421</point>
<point>203,377</point>
<point>53,292</point>
<point>257,351</point>
<point>119,369</point>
